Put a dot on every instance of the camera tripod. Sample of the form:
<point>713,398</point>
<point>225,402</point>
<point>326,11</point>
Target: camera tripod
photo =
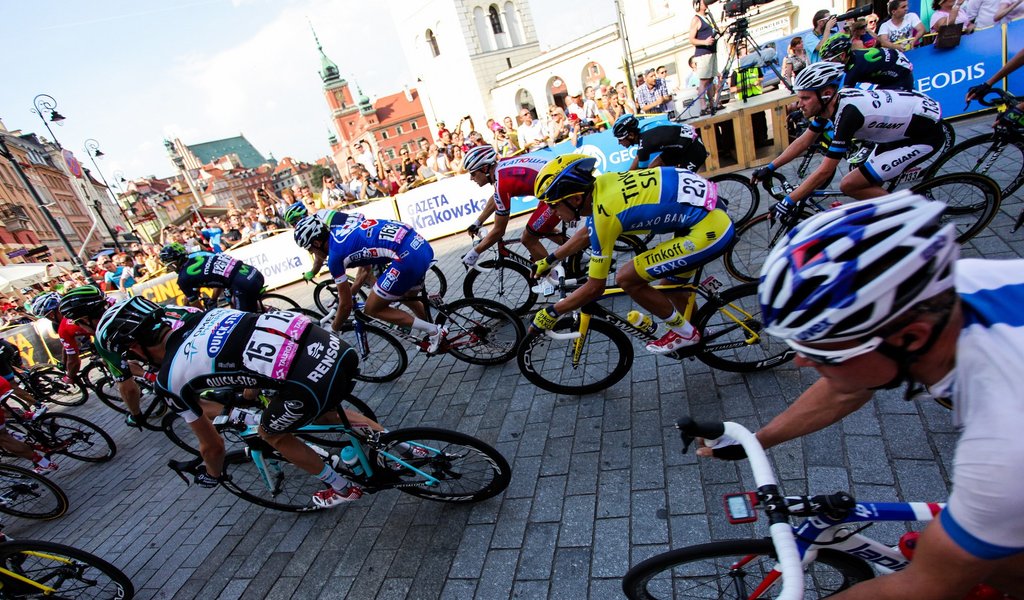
<point>738,36</point>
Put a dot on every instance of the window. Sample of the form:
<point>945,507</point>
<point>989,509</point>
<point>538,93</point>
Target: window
<point>492,14</point>
<point>391,153</point>
<point>432,43</point>
<point>398,130</point>
<point>414,126</point>
<point>384,134</point>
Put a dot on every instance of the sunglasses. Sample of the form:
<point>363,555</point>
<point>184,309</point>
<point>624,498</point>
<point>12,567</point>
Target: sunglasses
<point>835,357</point>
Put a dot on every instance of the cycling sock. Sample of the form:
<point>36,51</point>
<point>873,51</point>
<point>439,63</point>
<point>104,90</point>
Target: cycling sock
<point>421,325</point>
<point>331,478</point>
<point>680,325</point>
<point>40,460</point>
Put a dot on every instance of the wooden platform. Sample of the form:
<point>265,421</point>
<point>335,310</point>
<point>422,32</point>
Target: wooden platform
<point>745,134</point>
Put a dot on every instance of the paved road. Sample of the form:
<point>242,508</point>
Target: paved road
<point>598,484</point>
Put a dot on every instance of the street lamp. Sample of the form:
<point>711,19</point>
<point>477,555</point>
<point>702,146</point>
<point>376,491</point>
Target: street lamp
<point>92,148</point>
<point>42,103</point>
<point>179,163</point>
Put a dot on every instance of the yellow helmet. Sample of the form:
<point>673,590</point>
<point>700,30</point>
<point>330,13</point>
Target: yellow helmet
<point>564,176</point>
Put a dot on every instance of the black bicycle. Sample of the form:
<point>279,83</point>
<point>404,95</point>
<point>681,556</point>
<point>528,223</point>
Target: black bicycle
<point>29,495</point>
<point>52,433</point>
<point>46,384</point>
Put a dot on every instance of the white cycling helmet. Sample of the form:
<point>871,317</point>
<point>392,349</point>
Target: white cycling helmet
<point>479,157</point>
<point>844,273</point>
<point>819,75</point>
<point>44,304</point>
<point>308,230</point>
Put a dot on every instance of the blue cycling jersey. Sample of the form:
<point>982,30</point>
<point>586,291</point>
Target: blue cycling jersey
<point>371,241</point>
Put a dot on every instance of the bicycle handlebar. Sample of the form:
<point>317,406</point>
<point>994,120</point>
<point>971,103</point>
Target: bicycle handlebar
<point>774,502</point>
<point>1002,98</point>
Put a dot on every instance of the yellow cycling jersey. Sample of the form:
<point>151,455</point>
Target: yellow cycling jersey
<point>659,200</point>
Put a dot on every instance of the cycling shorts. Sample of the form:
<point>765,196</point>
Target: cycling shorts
<point>543,220</point>
<point>317,381</point>
<point>406,272</point>
<point>706,240</point>
<point>888,161</point>
<point>692,157</point>
<point>246,289</point>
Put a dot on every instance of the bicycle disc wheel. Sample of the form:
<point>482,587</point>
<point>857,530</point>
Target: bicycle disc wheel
<point>467,469</point>
<point>29,495</point>
<point>381,357</point>
<point>734,569</point>
<point>73,573</point>
<point>507,283</point>
<point>325,296</point>
<point>754,240</point>
<point>742,197</point>
<point>75,437</point>
<point>971,199</point>
<point>481,332</point>
<point>604,360</point>
<point>279,302</point>
<point>50,388</point>
<point>727,331</point>
<point>287,487</point>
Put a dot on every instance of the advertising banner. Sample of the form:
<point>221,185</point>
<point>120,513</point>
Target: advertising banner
<point>444,207</point>
<point>946,75</point>
<point>1014,44</point>
<point>37,342</point>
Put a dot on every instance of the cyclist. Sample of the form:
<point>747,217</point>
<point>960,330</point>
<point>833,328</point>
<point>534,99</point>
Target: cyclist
<point>15,446</point>
<point>663,200</point>
<point>902,307</point>
<point>332,218</point>
<point>882,68</point>
<point>660,143</point>
<point>217,271</point>
<point>82,307</point>
<point>511,177</point>
<point>310,368</point>
<point>72,337</point>
<point>905,127</point>
<point>406,254</point>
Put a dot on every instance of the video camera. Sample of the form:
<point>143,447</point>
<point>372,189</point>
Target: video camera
<point>860,11</point>
<point>736,8</point>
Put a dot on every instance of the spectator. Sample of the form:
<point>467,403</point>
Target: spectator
<point>574,105</point>
<point>372,187</point>
<point>670,83</point>
<point>872,23</point>
<point>423,172</point>
<point>233,235</point>
<point>287,197</point>
<point>503,144</point>
<point>1009,10</point>
<point>334,193</point>
<point>796,59</point>
<point>693,80</point>
<point>407,171</point>
<point>903,30</point>
<point>705,51</point>
<point>455,164</point>
<point>441,131</point>
<point>437,161</point>
<point>590,105</point>
<point>120,276</point>
<point>745,83</point>
<point>392,181</point>
<point>824,26</point>
<point>625,100</point>
<point>141,268</point>
<point>981,13</point>
<point>364,156</point>
<point>532,134</point>
<point>510,131</point>
<point>558,126</point>
<point>652,96</point>
<point>212,233</point>
<point>475,138</point>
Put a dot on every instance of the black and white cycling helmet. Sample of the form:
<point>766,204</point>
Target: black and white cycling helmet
<point>845,273</point>
<point>129,321</point>
<point>45,304</point>
<point>308,230</point>
<point>83,301</point>
<point>818,76</point>
<point>479,157</point>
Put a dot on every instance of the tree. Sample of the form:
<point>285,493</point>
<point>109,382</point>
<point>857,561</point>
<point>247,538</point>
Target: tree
<point>317,177</point>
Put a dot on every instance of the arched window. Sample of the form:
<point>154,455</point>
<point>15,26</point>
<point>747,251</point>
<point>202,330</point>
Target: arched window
<point>432,43</point>
<point>515,28</point>
<point>483,32</point>
<point>492,14</point>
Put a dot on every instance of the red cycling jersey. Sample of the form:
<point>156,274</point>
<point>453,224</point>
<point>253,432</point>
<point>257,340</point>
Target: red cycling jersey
<point>514,177</point>
<point>71,335</point>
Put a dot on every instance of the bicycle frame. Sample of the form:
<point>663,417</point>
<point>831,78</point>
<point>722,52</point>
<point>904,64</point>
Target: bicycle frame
<point>42,587</point>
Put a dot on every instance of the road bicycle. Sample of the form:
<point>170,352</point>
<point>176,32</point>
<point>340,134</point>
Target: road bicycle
<point>325,295</point>
<point>998,154</point>
<point>971,200</point>
<point>52,433</point>
<point>435,464</point>
<point>46,383</point>
<point>29,495</point>
<point>822,555</point>
<point>267,302</point>
<point>591,350</point>
<point>480,332</point>
<point>36,569</point>
<point>96,376</point>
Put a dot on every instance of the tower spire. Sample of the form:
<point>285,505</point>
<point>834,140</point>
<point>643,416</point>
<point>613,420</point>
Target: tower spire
<point>329,72</point>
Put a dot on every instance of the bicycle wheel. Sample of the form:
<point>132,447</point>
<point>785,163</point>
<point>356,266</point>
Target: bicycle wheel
<point>381,356</point>
<point>74,437</point>
<point>467,469</point>
<point>287,487</point>
<point>972,201</point>
<point>72,573</point>
<point>179,432</point>
<point>93,374</point>
<point>279,302</point>
<point>480,332</point>
<point>998,157</point>
<point>734,569</point>
<point>325,295</point>
<point>742,197</point>
<point>29,495</point>
<point>48,387</point>
<point>754,240</point>
<point>435,282</point>
<point>728,325</point>
<point>506,282</point>
<point>151,404</point>
<point>605,358</point>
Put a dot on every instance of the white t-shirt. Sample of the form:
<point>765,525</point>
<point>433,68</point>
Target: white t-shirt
<point>983,515</point>
<point>982,12</point>
<point>531,133</point>
<point>904,31</point>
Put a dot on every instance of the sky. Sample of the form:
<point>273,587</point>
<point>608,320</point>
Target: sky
<point>130,73</point>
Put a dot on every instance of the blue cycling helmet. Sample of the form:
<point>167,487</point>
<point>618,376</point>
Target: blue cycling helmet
<point>44,304</point>
<point>625,125</point>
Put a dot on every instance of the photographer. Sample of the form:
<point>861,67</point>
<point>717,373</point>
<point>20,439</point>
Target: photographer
<point>824,26</point>
<point>703,36</point>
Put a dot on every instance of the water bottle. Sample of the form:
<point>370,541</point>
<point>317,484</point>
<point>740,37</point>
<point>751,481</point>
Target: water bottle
<point>642,322</point>
<point>350,457</point>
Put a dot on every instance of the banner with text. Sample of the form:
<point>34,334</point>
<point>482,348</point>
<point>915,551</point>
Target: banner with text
<point>946,75</point>
<point>1014,44</point>
<point>444,207</point>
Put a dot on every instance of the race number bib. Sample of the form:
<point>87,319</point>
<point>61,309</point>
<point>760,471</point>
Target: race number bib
<point>697,191</point>
<point>272,347</point>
